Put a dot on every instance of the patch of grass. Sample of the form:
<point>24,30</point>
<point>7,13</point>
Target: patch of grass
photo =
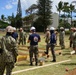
<point>58,69</point>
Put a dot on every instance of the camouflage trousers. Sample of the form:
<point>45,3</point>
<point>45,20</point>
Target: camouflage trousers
<point>51,46</point>
<point>24,40</point>
<point>33,52</point>
<point>47,48</point>
<point>21,41</point>
<point>62,44</point>
<point>6,65</point>
<point>74,45</point>
<point>71,43</point>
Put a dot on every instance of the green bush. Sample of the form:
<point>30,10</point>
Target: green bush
<point>3,24</point>
<point>67,32</point>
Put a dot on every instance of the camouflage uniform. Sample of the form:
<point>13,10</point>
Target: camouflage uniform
<point>47,40</point>
<point>34,38</point>
<point>33,51</point>
<point>74,41</point>
<point>9,54</point>
<point>22,37</point>
<point>25,35</point>
<point>61,39</point>
<point>71,38</point>
<point>47,37</point>
<point>52,43</point>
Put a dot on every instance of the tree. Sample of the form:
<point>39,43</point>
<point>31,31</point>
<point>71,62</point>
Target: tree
<point>19,15</point>
<point>9,18</point>
<point>13,22</point>
<point>44,12</point>
<point>28,19</point>
<point>71,10</point>
<point>65,9</point>
<point>31,12</point>
<point>59,8</point>
<point>31,8</point>
<point>2,17</point>
<point>18,21</point>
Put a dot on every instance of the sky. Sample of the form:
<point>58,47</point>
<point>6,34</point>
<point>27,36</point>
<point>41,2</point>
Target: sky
<point>7,7</point>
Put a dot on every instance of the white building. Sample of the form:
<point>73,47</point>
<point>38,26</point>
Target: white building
<point>55,20</point>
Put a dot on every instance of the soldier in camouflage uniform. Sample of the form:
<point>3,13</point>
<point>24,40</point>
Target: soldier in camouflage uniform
<point>52,43</point>
<point>61,37</point>
<point>71,37</point>
<point>47,40</point>
<point>9,53</point>
<point>74,40</point>
<point>22,37</point>
<point>34,38</point>
<point>25,36</point>
<point>47,36</point>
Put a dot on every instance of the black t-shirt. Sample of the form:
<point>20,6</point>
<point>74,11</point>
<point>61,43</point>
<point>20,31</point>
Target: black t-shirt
<point>34,39</point>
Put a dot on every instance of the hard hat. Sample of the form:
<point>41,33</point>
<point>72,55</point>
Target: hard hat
<point>52,28</point>
<point>21,28</point>
<point>74,29</point>
<point>74,34</point>
<point>61,27</point>
<point>47,28</point>
<point>14,28</point>
<point>32,28</point>
<point>9,29</point>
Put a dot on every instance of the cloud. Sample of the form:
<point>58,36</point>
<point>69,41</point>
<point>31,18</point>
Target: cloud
<point>55,3</point>
<point>8,6</point>
<point>27,3</point>
<point>14,3</point>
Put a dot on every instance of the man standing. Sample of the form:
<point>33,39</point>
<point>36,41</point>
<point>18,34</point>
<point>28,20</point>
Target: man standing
<point>47,36</point>
<point>14,34</point>
<point>34,38</point>
<point>74,40</point>
<point>61,37</point>
<point>22,38</point>
<point>53,43</point>
<point>25,36</point>
<point>47,40</point>
<point>9,54</point>
<point>71,36</point>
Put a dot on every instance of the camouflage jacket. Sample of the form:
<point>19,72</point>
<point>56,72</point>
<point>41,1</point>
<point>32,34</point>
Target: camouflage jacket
<point>61,35</point>
<point>74,37</point>
<point>47,37</point>
<point>9,47</point>
<point>71,36</point>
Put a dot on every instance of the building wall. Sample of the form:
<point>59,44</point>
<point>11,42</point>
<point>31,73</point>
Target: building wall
<point>55,20</point>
